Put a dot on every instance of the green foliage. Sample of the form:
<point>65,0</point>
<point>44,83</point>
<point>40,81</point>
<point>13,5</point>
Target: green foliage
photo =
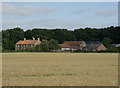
<point>11,36</point>
<point>43,47</point>
<point>106,41</point>
<point>114,49</point>
<point>0,48</point>
<point>37,48</point>
<point>78,50</point>
<point>46,46</point>
<point>53,44</point>
<point>28,49</point>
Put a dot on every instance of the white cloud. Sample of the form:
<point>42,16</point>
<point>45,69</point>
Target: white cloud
<point>102,25</point>
<point>80,11</point>
<point>55,23</point>
<point>51,24</point>
<point>106,12</point>
<point>7,24</point>
<point>48,23</point>
<point>24,10</point>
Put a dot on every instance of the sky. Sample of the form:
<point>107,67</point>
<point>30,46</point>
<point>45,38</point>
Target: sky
<point>65,15</point>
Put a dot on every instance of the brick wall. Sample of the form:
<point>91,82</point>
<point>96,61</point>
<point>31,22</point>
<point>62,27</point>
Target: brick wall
<point>101,47</point>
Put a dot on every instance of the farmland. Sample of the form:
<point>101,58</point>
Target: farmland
<point>60,69</point>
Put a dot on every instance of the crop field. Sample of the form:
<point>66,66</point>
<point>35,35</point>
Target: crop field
<point>60,69</point>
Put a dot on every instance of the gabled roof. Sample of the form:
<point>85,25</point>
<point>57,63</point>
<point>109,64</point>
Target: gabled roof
<point>92,46</point>
<point>93,42</point>
<point>73,42</point>
<point>68,46</point>
<point>27,42</point>
<point>64,45</point>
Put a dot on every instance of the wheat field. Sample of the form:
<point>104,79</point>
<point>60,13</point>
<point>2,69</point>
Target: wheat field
<point>60,69</point>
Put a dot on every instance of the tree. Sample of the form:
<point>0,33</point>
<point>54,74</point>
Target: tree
<point>28,49</point>
<point>43,46</point>
<point>60,35</point>
<point>46,46</point>
<point>53,44</point>
<point>11,36</point>
<point>106,41</point>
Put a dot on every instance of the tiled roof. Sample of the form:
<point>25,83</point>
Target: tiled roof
<point>74,47</point>
<point>73,42</point>
<point>92,46</point>
<point>64,45</point>
<point>68,46</point>
<point>27,42</point>
<point>93,42</point>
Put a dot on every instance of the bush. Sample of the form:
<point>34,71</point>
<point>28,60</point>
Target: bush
<point>78,50</point>
<point>7,51</point>
<point>28,49</point>
<point>42,47</point>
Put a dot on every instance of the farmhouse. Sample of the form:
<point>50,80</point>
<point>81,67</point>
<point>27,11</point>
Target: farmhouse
<point>93,42</point>
<point>72,45</point>
<point>67,47</point>
<point>94,47</point>
<point>30,43</point>
<point>83,45</point>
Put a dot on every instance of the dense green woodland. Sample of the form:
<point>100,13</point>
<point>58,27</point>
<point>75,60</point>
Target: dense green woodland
<point>11,36</point>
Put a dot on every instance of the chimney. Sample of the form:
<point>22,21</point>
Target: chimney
<point>38,39</point>
<point>24,38</point>
<point>33,38</point>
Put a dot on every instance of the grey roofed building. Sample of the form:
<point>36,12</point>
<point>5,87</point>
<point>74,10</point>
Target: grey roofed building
<point>94,47</point>
<point>91,47</point>
<point>93,42</point>
<point>116,45</point>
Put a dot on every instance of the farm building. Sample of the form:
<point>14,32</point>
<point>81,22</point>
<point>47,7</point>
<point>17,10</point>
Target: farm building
<point>87,45</point>
<point>21,44</point>
<point>94,47</point>
<point>67,47</point>
<point>72,45</point>
<point>78,44</point>
<point>93,42</point>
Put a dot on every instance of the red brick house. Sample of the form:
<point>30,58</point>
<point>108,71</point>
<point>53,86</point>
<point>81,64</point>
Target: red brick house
<point>21,44</point>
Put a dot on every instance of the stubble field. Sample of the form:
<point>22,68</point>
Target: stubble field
<point>59,69</point>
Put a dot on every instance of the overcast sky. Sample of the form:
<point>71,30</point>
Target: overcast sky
<point>70,15</point>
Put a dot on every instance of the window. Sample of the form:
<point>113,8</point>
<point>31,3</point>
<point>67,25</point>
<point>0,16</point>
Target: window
<point>32,45</point>
<point>83,45</point>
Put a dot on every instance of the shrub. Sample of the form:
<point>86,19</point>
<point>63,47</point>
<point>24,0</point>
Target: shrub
<point>78,50</point>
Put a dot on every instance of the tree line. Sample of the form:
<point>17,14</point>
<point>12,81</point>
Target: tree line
<point>11,36</point>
